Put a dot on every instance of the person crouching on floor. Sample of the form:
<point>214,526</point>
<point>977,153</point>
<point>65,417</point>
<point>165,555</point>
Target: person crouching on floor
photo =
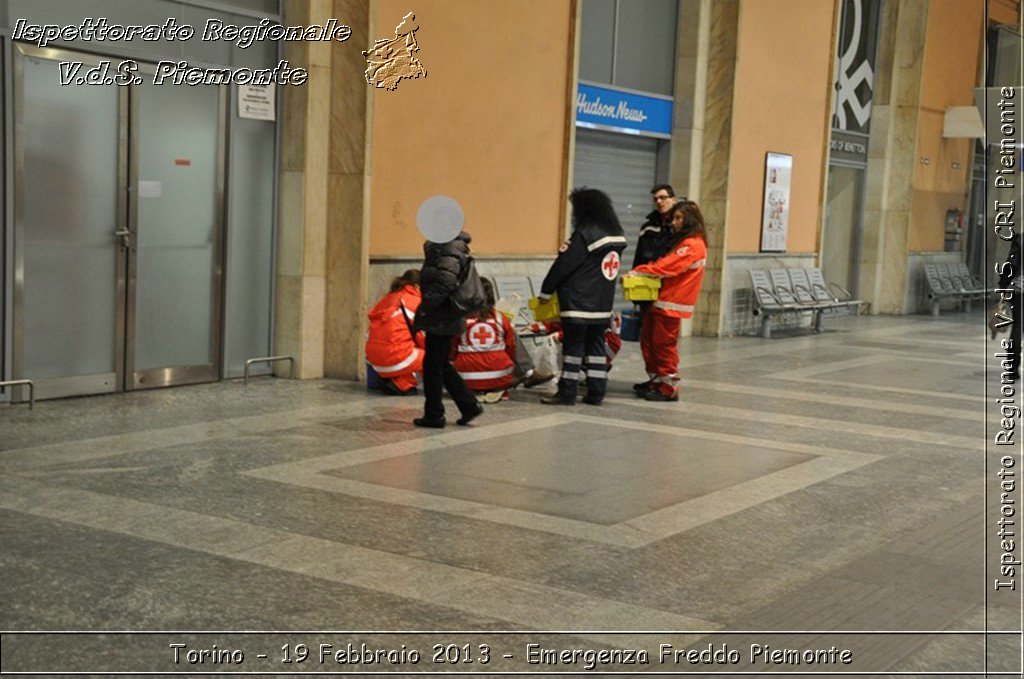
<point>682,272</point>
<point>392,349</point>
<point>485,353</point>
<point>584,277</point>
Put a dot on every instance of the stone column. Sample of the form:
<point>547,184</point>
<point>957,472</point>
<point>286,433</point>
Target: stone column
<point>892,156</point>
<point>712,174</point>
<point>302,220</point>
<point>691,94</point>
<point>320,303</point>
<point>348,201</point>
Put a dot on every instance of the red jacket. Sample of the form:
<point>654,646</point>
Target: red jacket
<point>390,348</point>
<point>682,272</point>
<point>485,353</point>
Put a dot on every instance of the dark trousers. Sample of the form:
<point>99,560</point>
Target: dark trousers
<point>583,344</point>
<point>439,374</point>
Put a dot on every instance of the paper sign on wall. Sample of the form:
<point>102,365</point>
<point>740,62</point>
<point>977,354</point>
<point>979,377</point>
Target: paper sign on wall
<point>778,172</point>
<point>256,102</point>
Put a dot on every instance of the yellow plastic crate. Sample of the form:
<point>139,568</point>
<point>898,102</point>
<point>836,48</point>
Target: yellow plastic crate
<point>545,311</point>
<point>639,288</point>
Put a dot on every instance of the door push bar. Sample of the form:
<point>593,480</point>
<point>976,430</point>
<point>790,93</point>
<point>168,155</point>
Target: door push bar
<point>270,359</point>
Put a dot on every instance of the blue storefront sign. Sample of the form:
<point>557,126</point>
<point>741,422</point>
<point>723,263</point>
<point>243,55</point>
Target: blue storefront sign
<point>605,108</point>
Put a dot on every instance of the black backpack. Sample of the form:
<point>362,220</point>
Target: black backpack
<point>469,297</point>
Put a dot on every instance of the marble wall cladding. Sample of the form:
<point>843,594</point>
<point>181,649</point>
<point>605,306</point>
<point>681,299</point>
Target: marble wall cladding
<point>691,91</point>
<point>722,24</point>
<point>287,320</point>
<point>315,170</point>
<point>293,99</point>
<point>290,220</point>
<point>289,300</point>
<point>915,300</point>
<point>893,271</point>
<point>311,361</point>
<point>348,291</point>
<point>346,137</point>
<point>893,159</point>
<point>350,92</point>
<point>737,292</point>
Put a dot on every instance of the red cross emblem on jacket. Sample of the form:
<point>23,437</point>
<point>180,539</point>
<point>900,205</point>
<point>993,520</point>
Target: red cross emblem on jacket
<point>610,265</point>
<point>482,335</point>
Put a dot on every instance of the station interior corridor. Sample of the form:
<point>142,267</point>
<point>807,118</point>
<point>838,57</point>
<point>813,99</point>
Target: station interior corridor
<point>803,483</point>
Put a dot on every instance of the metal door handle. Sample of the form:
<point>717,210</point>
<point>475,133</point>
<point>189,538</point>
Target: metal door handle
<point>125,235</point>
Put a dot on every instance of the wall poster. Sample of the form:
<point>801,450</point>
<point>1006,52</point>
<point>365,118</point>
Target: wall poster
<point>778,173</point>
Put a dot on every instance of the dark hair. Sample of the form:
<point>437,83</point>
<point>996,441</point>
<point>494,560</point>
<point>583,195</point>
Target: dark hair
<point>693,221</point>
<point>593,207</point>
<point>488,309</point>
<point>667,187</point>
<point>410,277</point>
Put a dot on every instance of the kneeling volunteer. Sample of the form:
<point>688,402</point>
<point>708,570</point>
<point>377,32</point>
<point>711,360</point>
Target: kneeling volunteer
<point>392,349</point>
<point>485,352</point>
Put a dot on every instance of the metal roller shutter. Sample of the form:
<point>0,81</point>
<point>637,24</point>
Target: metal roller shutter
<point>624,167</point>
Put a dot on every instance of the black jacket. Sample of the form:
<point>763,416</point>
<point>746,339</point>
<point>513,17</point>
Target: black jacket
<point>654,241</point>
<point>584,275</point>
<point>442,265</point>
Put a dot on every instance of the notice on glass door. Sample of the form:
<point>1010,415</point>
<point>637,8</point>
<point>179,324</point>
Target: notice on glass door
<point>256,102</point>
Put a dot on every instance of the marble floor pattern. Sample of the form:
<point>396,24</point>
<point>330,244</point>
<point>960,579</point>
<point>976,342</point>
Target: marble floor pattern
<point>807,492</point>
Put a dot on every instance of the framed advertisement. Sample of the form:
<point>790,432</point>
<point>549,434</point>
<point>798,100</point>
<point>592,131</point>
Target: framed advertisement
<point>778,173</point>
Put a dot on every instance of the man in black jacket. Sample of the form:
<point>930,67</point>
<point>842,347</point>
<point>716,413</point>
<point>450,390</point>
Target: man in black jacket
<point>443,267</point>
<point>584,276</point>
<point>655,232</point>
<point>655,241</point>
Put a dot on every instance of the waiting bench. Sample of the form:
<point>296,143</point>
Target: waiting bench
<point>789,291</point>
<point>953,281</point>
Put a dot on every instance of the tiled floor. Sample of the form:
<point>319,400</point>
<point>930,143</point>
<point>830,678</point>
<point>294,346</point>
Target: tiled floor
<point>804,489</point>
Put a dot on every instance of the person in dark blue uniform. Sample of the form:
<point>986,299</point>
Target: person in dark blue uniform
<point>584,276</point>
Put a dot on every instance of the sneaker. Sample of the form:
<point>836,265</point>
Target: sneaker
<point>469,417</point>
<point>555,400</point>
<point>640,387</point>
<point>489,397</point>
<point>655,395</point>
<point>430,424</point>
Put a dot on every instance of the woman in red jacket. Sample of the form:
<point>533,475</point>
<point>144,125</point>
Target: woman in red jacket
<point>681,271</point>
<point>485,353</point>
<point>392,349</point>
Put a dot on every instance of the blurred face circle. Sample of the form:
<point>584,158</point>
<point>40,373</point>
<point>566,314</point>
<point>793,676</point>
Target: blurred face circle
<point>663,201</point>
<point>440,219</point>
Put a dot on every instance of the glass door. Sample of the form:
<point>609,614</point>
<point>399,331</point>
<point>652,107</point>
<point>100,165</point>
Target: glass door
<point>119,195</point>
<point>176,215</point>
<point>69,145</point>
